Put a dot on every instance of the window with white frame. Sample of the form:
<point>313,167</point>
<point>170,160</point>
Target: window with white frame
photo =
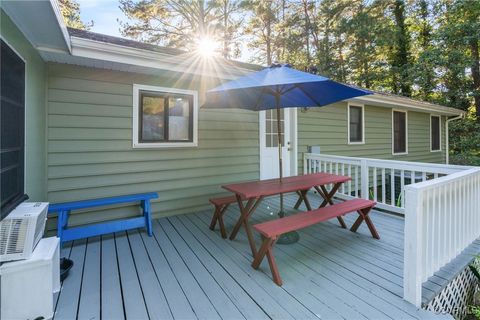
<point>164,117</point>
<point>399,134</point>
<point>356,124</point>
<point>435,133</point>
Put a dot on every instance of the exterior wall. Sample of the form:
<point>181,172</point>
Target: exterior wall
<point>90,152</point>
<point>35,138</point>
<point>327,127</point>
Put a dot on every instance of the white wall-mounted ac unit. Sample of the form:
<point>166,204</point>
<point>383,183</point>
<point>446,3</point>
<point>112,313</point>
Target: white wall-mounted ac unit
<point>21,230</point>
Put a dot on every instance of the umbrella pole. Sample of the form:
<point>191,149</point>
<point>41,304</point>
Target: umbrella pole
<point>293,236</point>
<point>280,158</point>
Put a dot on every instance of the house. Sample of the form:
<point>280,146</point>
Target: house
<point>106,116</point>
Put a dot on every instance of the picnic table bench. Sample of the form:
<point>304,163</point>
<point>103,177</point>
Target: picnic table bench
<point>64,209</point>
<point>272,230</point>
<point>253,192</point>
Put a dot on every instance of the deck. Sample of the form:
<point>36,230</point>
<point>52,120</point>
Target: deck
<point>187,271</point>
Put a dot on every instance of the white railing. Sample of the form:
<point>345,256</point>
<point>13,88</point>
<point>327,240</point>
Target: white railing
<point>442,218</point>
<point>381,180</point>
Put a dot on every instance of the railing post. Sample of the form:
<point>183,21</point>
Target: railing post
<point>364,178</point>
<point>305,163</point>
<point>412,268</point>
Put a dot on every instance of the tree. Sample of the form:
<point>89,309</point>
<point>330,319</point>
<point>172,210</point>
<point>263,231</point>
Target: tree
<point>400,59</point>
<point>180,24</point>
<point>70,10</point>
<point>263,29</point>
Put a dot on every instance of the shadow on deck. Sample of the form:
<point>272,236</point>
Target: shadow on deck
<point>187,271</point>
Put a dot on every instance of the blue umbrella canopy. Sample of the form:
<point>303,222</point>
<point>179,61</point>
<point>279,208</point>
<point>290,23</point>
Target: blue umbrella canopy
<point>280,86</point>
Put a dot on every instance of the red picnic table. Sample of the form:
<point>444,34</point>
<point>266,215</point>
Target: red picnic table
<point>256,191</point>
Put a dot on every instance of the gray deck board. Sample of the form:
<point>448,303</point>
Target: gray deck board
<point>89,306</point>
<point>186,271</point>
<point>133,300</point>
<point>111,295</point>
<point>177,301</point>
<point>153,294</point>
<point>67,305</point>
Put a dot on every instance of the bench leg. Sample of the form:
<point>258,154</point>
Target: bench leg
<point>147,212</point>
<point>363,215</point>
<point>327,199</point>
<point>62,220</point>
<point>302,197</point>
<point>267,249</point>
<point>218,216</point>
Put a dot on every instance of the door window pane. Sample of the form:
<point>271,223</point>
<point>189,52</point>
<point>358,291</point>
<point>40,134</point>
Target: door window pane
<point>271,128</point>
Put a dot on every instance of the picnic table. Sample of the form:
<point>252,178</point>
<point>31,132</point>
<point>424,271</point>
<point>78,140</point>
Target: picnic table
<point>256,191</point>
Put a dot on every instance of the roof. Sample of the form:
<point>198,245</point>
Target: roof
<point>147,46</point>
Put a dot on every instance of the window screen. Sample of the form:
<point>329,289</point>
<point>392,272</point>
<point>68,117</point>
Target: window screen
<point>12,137</point>
<point>435,132</point>
<point>399,132</point>
<point>356,124</point>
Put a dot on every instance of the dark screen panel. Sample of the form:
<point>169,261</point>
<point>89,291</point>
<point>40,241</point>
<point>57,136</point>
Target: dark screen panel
<point>12,138</point>
<point>399,132</point>
<point>435,125</point>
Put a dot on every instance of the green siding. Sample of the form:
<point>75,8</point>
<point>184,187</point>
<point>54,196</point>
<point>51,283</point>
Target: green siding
<point>35,139</point>
<point>327,128</point>
<point>90,152</point>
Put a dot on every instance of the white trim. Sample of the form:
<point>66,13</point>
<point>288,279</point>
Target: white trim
<point>410,104</point>
<point>25,114</point>
<point>447,142</point>
<point>183,63</point>
<point>61,24</point>
<point>137,144</point>
<point>362,106</point>
<point>439,132</point>
<point>406,133</point>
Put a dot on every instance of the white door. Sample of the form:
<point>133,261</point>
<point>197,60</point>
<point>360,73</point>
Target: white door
<point>269,143</point>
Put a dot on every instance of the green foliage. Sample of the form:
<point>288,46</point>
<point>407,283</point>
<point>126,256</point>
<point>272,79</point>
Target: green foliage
<point>465,140</point>
<point>70,10</point>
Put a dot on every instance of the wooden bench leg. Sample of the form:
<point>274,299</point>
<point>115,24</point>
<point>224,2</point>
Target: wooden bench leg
<point>218,216</point>
<point>327,199</point>
<point>267,249</point>
<point>363,215</point>
<point>302,197</point>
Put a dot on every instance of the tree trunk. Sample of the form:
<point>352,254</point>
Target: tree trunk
<point>475,69</point>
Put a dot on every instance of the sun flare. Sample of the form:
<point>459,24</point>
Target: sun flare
<point>207,47</point>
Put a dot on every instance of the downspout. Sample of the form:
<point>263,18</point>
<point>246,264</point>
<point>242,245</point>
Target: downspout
<point>447,151</point>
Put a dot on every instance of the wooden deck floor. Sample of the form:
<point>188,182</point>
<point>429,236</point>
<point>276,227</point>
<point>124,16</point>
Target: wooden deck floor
<point>187,271</point>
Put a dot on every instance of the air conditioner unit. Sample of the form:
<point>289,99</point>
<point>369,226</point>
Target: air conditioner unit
<point>21,230</point>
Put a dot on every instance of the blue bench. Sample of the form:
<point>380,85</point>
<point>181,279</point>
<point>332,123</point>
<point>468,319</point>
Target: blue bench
<point>64,209</point>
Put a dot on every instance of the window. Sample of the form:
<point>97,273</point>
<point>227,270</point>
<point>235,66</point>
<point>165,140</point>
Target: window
<point>271,128</point>
<point>355,124</point>
<point>12,130</point>
<point>164,117</point>
<point>400,143</point>
<point>435,133</point>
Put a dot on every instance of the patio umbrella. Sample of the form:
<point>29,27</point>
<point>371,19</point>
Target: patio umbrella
<point>276,87</point>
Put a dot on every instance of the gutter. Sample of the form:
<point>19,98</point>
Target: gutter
<point>447,151</point>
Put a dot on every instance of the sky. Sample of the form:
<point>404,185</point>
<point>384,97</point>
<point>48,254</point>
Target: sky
<point>106,13</point>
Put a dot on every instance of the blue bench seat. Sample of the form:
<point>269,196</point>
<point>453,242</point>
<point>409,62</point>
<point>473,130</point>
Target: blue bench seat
<point>64,209</point>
